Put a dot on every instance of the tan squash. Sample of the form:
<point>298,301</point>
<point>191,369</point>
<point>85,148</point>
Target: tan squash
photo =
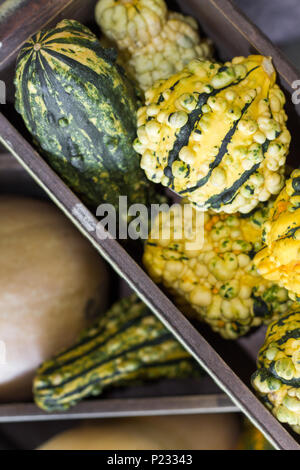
<point>52,285</point>
<point>212,432</point>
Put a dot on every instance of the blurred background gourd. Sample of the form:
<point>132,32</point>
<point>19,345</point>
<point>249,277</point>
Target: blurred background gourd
<point>52,285</point>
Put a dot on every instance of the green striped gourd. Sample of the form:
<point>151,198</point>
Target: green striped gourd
<point>216,134</point>
<point>128,344</point>
<point>277,379</point>
<point>81,110</point>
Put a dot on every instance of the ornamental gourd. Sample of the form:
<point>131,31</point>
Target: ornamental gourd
<point>52,286</point>
<point>206,262</point>
<point>277,379</point>
<point>169,52</point>
<point>131,24</point>
<point>81,110</point>
<point>127,344</point>
<point>279,261</point>
<point>253,439</point>
<point>216,134</point>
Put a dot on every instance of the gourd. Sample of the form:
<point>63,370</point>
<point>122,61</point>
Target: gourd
<point>169,52</point>
<point>253,439</point>
<point>216,134</point>
<point>81,110</point>
<point>126,345</point>
<point>52,286</point>
<point>279,261</point>
<point>131,24</point>
<point>205,261</point>
<point>194,432</point>
<point>277,379</point>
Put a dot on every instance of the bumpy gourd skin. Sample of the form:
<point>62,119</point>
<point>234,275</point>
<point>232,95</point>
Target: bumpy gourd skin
<point>279,261</point>
<point>127,345</point>
<point>215,281</point>
<point>131,23</point>
<point>216,134</point>
<point>278,377</point>
<point>169,52</point>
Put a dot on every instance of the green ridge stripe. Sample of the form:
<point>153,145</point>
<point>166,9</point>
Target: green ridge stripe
<point>81,389</point>
<point>101,82</point>
<point>26,97</point>
<point>94,348</point>
<point>228,195</point>
<point>110,55</point>
<point>221,154</point>
<point>50,102</point>
<point>69,29</point>
<point>72,107</point>
<point>194,118</point>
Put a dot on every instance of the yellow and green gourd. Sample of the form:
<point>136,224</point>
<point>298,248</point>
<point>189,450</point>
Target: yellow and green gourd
<point>279,261</point>
<point>216,134</point>
<point>205,261</point>
<point>127,345</point>
<point>81,111</point>
<point>277,379</point>
<point>131,24</point>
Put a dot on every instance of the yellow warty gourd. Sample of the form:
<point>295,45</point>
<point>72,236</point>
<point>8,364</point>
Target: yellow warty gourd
<point>278,377</point>
<point>169,52</point>
<point>216,134</point>
<point>279,261</point>
<point>205,261</point>
<point>131,24</point>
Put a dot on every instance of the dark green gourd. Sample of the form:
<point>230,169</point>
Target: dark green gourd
<point>81,110</point>
<point>127,345</point>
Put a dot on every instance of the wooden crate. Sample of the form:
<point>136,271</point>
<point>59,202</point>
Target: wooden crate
<point>165,397</point>
<point>229,364</point>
